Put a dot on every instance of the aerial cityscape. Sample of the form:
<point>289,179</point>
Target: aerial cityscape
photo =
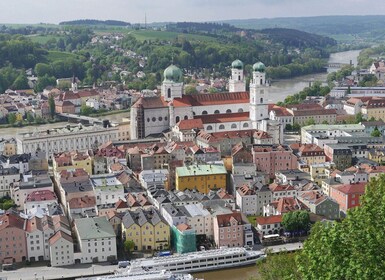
<point>192,145</point>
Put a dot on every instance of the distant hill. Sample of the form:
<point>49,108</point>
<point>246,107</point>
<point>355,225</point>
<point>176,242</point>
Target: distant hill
<point>95,22</point>
<point>325,25</point>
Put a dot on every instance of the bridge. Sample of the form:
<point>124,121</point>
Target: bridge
<point>78,118</point>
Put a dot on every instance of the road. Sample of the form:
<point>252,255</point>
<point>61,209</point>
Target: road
<point>45,273</point>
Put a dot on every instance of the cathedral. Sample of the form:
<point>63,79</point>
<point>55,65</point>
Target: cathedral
<point>235,110</point>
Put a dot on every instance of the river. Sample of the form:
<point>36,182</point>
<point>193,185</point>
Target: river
<point>277,92</point>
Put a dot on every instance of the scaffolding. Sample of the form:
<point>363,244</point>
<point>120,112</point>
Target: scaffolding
<point>183,241</point>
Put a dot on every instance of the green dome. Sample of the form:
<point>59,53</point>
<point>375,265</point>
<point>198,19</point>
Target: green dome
<point>259,66</point>
<point>173,73</point>
<point>237,64</point>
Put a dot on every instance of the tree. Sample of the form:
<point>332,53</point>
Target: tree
<point>296,221</point>
<point>376,132</point>
<point>43,82</point>
<point>359,117</point>
<point>128,246</point>
<point>278,266</point>
<point>6,203</point>
<point>288,127</point>
<point>30,117</point>
<point>353,248</point>
<point>325,122</point>
<point>11,118</point>
<point>310,121</point>
<point>190,90</point>
<point>21,82</point>
<point>85,110</point>
<point>51,104</point>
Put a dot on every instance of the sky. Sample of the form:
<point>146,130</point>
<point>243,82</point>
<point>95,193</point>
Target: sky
<point>55,11</point>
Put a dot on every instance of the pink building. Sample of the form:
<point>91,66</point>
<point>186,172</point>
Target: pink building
<point>229,230</point>
<point>270,159</point>
<point>348,196</point>
<point>13,246</point>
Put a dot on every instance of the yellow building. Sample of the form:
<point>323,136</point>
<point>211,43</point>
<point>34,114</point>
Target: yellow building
<point>147,229</point>
<point>74,160</point>
<point>200,177</point>
<point>377,155</point>
<point>10,147</point>
<point>320,172</point>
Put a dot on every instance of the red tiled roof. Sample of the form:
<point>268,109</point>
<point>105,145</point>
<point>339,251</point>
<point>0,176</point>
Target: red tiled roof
<point>358,188</point>
<point>220,98</point>
<point>218,136</point>
<point>224,118</point>
<point>82,202</point>
<point>11,220</point>
<point>41,196</point>
<point>59,234</point>
<point>274,187</point>
<point>183,227</point>
<point>190,124</point>
<point>269,220</point>
<point>224,219</point>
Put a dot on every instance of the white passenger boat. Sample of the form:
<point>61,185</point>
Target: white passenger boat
<point>198,261</point>
<point>143,275</point>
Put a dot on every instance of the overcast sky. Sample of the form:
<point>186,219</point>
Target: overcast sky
<point>55,11</point>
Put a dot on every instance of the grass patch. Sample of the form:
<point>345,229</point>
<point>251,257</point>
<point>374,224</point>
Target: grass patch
<point>252,220</point>
<point>142,35</point>
<point>42,39</point>
<point>56,55</point>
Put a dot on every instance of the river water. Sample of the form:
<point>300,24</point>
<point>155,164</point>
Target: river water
<point>277,92</point>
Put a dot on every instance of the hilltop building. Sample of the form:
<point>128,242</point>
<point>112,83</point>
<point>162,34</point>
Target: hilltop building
<point>218,112</point>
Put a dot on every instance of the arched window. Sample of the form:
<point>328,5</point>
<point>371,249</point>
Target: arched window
<point>233,125</point>
<point>261,100</point>
<point>261,81</point>
<point>177,119</point>
<point>239,77</point>
<point>186,117</point>
<point>228,111</point>
<point>245,125</point>
<point>209,127</point>
<point>216,112</point>
<point>169,93</point>
<point>204,113</point>
<point>240,110</point>
<point>221,126</point>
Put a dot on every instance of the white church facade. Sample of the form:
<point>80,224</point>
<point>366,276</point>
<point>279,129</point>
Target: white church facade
<point>219,112</point>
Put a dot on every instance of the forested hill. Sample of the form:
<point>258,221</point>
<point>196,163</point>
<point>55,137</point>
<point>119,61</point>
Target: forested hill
<point>95,22</point>
<point>296,38</point>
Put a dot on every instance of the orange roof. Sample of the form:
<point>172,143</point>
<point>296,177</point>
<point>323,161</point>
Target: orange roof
<point>59,234</point>
<point>183,227</point>
<point>274,187</point>
<point>83,202</point>
<point>269,220</point>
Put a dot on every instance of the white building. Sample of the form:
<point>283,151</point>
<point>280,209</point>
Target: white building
<point>96,239</point>
<point>218,112</point>
<point>8,179</point>
<point>108,189</point>
<point>199,219</point>
<point>251,200</point>
<point>66,139</point>
<point>39,200</point>
<point>61,249</point>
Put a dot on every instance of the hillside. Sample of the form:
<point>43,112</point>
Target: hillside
<point>364,26</point>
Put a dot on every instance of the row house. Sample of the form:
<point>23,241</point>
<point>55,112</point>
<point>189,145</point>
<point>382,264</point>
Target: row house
<point>283,205</point>
<point>251,199</point>
<point>28,185</point>
<point>282,190</point>
<point>270,159</point>
<point>269,225</point>
<point>108,189</point>
<point>8,178</point>
<point>39,200</point>
<point>72,160</point>
<point>320,204</point>
<point>147,229</point>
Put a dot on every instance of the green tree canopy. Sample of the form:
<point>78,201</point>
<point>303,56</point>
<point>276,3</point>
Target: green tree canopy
<point>129,246</point>
<point>376,132</point>
<point>353,248</point>
<point>278,267</point>
<point>296,221</point>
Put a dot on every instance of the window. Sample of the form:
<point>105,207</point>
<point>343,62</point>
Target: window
<point>160,119</point>
<point>240,110</point>
<point>245,125</point>
<point>177,119</point>
<point>221,126</point>
<point>233,125</point>
<point>204,113</point>
<point>153,119</point>
<point>169,93</point>
<point>216,112</point>
<point>186,117</point>
<point>228,111</point>
<point>209,127</point>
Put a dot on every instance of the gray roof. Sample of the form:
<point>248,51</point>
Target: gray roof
<point>94,228</point>
<point>141,216</point>
<point>36,182</point>
<point>8,171</point>
<point>83,186</point>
